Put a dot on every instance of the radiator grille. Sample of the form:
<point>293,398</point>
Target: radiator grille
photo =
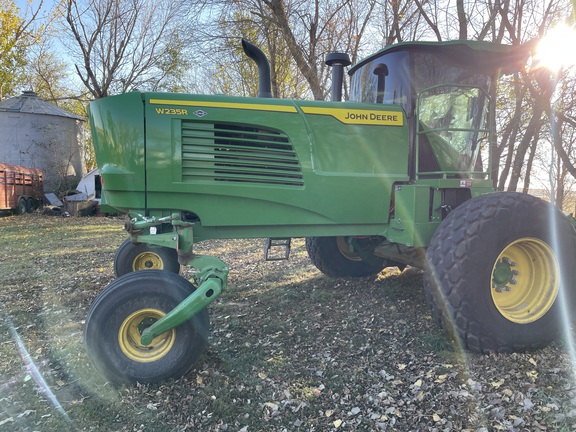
<point>233,153</point>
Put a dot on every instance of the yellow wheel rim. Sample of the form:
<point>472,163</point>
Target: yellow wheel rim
<point>344,249</point>
<point>131,331</point>
<point>147,261</point>
<point>525,280</point>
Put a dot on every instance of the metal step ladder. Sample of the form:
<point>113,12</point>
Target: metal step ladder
<point>277,249</point>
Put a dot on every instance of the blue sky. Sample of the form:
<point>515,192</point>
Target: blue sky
<point>25,4</point>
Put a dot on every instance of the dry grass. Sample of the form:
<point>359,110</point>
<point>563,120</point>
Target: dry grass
<point>290,350</point>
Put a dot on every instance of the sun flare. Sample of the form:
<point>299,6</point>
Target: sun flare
<point>556,49</point>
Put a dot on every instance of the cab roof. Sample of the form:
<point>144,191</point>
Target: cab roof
<point>483,57</point>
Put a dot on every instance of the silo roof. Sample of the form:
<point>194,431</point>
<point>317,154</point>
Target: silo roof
<point>29,102</point>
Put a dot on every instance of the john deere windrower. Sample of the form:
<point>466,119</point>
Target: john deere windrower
<point>398,175</point>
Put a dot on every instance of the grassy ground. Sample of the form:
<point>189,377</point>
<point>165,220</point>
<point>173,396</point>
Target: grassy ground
<point>290,350</point>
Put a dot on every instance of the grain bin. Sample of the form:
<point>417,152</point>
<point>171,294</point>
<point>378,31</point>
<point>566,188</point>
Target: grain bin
<point>37,134</point>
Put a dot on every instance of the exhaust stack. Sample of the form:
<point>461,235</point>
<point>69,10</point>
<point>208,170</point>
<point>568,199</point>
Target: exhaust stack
<point>338,61</point>
<point>261,60</point>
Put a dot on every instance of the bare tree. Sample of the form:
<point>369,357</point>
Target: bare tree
<point>302,28</point>
<point>230,73</point>
<point>119,45</point>
<point>301,33</point>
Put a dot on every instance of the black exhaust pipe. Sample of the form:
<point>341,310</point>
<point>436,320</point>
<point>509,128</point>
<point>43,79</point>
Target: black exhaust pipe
<point>338,61</point>
<point>261,60</point>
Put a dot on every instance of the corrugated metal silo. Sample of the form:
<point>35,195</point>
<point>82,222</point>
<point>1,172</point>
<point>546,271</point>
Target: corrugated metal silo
<point>37,134</point>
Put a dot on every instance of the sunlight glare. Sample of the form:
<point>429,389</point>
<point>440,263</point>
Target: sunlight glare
<point>35,373</point>
<point>556,49</point>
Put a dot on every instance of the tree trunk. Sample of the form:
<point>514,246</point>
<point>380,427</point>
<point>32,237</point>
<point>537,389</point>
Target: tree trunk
<point>462,20</point>
<point>306,66</point>
<point>532,129</point>
<point>558,144</point>
<point>529,164</point>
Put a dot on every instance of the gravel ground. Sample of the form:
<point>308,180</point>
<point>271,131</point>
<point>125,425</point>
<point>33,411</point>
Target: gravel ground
<point>290,350</point>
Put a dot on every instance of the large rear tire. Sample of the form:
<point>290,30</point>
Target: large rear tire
<point>132,257</point>
<point>500,271</point>
<point>128,306</point>
<point>333,257</point>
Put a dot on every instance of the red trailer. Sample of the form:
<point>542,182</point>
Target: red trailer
<point>20,188</point>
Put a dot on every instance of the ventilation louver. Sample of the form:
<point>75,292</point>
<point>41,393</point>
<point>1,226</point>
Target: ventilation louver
<point>235,153</point>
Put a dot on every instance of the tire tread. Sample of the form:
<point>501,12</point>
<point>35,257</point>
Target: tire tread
<point>446,267</point>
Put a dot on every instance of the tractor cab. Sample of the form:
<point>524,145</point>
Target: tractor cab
<point>445,92</point>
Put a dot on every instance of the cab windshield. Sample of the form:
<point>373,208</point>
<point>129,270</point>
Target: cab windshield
<point>452,121</point>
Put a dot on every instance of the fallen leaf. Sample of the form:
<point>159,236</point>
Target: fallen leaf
<point>272,406</point>
<point>440,379</point>
<point>355,411</point>
<point>7,420</point>
<point>497,384</point>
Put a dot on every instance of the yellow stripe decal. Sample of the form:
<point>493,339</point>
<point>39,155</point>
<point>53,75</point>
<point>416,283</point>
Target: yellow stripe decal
<point>208,104</point>
<point>360,116</point>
